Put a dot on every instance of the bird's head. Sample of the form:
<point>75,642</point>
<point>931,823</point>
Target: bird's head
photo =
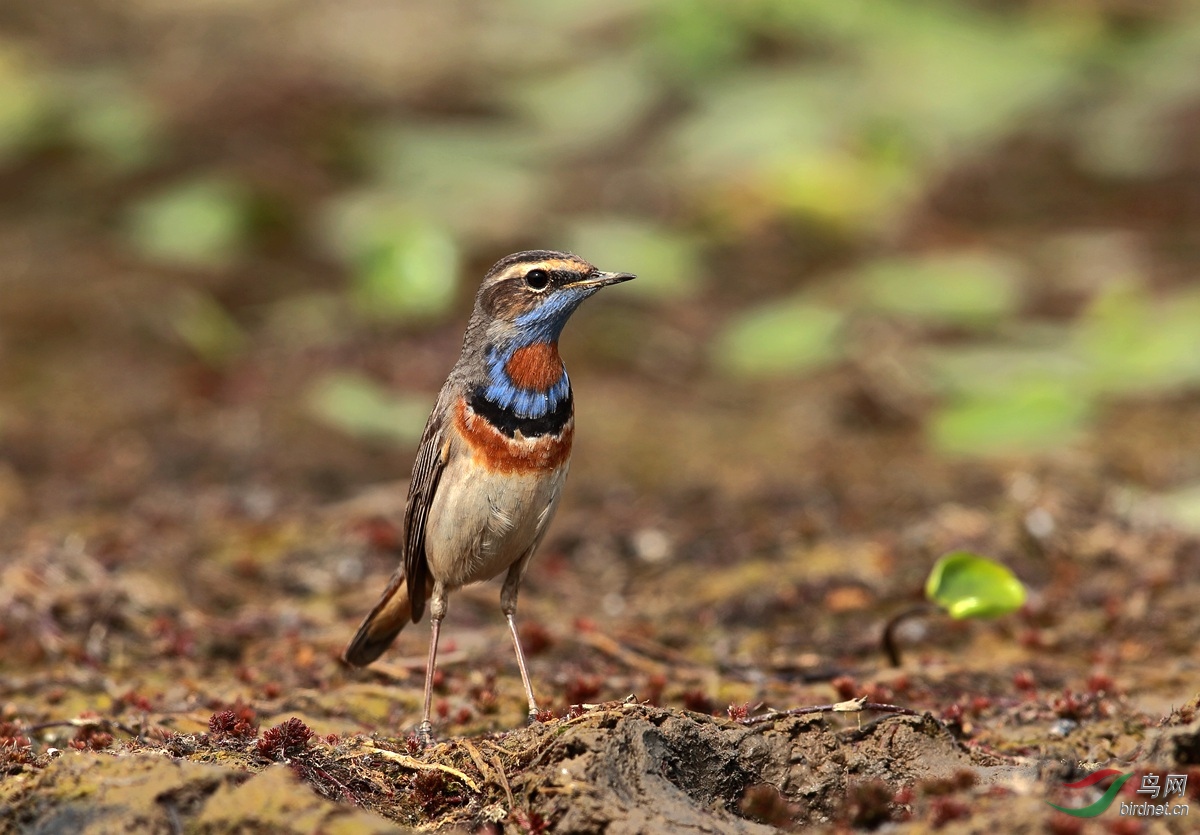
<point>528,296</point>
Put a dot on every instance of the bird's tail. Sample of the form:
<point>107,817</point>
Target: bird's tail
<point>381,626</point>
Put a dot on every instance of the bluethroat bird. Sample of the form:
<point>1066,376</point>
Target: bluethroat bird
<point>493,457</point>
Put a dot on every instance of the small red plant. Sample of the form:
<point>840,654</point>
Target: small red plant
<point>947,809</point>
<point>738,712</point>
<point>846,687</point>
<point>530,823</point>
<point>91,738</point>
<point>869,804</point>
<point>581,688</point>
<point>285,741</point>
<point>134,700</point>
<point>535,638</point>
<point>233,725</point>
<point>431,790</point>
<point>698,701</point>
<point>412,745</point>
<point>655,685</point>
<point>1024,681</point>
<point>12,737</point>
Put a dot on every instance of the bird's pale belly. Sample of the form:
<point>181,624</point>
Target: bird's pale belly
<point>482,521</point>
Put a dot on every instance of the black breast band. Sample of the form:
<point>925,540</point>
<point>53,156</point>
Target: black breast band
<point>510,423</point>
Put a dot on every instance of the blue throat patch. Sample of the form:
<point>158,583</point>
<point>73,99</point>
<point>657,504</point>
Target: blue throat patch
<point>524,403</point>
<point>546,322</point>
<point>542,324</point>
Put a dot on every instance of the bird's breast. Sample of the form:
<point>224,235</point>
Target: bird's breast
<point>501,446</point>
<point>484,517</point>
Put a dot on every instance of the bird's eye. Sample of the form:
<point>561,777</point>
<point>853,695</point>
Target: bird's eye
<point>537,279</point>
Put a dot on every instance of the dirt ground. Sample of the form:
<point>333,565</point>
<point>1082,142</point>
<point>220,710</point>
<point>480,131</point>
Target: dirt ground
<point>175,594</point>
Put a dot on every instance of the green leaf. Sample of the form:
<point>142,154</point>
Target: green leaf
<point>1028,416</point>
<point>476,179</point>
<point>1135,345</point>
<point>207,328</point>
<point>113,122</point>
<point>201,224</point>
<point>841,189</point>
<point>586,104</point>
<point>404,266</point>
<point>26,102</point>
<point>958,288</point>
<point>667,264</point>
<point>1033,356</point>
<point>696,40</point>
<point>786,338</point>
<point>970,586</point>
<point>412,275</point>
<point>359,407</point>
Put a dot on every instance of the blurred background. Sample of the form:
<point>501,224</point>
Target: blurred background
<point>239,238</point>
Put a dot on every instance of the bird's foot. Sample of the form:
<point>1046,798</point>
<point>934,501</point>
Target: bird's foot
<point>425,734</point>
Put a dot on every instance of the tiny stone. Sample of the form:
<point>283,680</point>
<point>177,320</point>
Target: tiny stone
<point>651,545</point>
<point>1039,523</point>
<point>1063,727</point>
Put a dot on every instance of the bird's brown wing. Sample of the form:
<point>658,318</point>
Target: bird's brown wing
<point>427,472</point>
<point>404,598</point>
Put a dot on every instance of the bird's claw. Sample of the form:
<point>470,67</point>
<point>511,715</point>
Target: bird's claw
<point>425,734</point>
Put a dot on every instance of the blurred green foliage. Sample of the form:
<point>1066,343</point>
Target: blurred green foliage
<point>1042,386</point>
<point>673,139</point>
<point>667,263</point>
<point>886,93</point>
<point>1030,415</point>
<point>206,328</point>
<point>970,290</point>
<point>1133,344</point>
<point>24,102</point>
<point>1148,81</point>
<point>480,180</point>
<point>201,224</point>
<point>402,265</point>
<point>354,404</point>
<point>780,338</point>
<point>561,106</point>
<point>119,128</point>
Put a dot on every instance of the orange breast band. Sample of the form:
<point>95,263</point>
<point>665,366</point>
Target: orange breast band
<point>496,451</point>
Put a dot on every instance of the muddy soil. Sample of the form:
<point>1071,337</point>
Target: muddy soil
<point>170,641</point>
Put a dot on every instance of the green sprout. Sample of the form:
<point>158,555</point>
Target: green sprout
<point>964,585</point>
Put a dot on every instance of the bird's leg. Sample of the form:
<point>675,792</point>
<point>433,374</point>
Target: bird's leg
<point>437,611</point>
<point>508,605</point>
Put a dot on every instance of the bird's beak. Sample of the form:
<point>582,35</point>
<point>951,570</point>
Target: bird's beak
<point>598,279</point>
